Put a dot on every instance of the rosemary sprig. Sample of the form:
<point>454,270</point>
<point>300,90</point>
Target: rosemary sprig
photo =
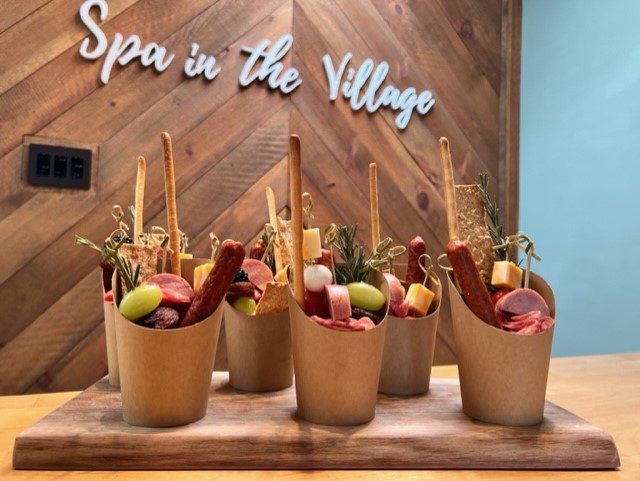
<point>268,239</point>
<point>495,227</point>
<point>356,265</point>
<point>110,255</point>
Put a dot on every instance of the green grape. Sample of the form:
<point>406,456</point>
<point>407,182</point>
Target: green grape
<point>365,296</point>
<point>245,304</point>
<point>139,302</point>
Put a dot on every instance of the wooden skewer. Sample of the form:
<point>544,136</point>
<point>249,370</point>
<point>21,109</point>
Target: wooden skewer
<point>373,205</point>
<point>172,211</point>
<point>139,201</point>
<point>273,220</point>
<point>449,188</point>
<point>295,190</point>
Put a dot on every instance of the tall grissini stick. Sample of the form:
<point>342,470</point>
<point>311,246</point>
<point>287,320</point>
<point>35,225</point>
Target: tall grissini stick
<point>139,200</point>
<point>373,205</point>
<point>172,211</point>
<point>449,188</point>
<point>273,220</point>
<point>295,191</point>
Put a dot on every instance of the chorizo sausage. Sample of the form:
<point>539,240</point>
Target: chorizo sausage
<point>257,250</point>
<point>417,247</point>
<point>216,284</point>
<point>474,291</point>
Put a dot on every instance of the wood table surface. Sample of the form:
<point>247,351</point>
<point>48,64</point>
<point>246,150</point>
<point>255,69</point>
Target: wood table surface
<point>605,390</point>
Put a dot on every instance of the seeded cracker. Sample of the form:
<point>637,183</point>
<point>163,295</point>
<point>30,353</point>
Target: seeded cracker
<point>146,256</point>
<point>284,241</point>
<point>473,229</point>
<point>274,299</point>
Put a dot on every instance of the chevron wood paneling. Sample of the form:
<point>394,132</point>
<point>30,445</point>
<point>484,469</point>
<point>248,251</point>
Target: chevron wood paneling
<point>231,142</point>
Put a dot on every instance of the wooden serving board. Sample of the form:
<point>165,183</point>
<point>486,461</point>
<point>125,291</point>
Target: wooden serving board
<point>250,431</point>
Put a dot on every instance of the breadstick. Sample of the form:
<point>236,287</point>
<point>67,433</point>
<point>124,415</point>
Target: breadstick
<point>139,201</point>
<point>295,190</point>
<point>273,220</point>
<point>373,205</point>
<point>172,211</point>
<point>449,188</point>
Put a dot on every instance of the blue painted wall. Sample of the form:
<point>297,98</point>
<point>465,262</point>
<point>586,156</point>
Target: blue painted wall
<point>580,166</point>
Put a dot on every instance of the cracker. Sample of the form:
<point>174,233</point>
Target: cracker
<point>145,256</point>
<point>274,299</point>
<point>473,229</point>
<point>284,241</point>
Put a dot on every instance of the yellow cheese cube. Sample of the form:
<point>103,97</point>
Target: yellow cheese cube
<point>184,255</point>
<point>506,275</point>
<point>419,298</point>
<point>282,276</point>
<point>200,273</point>
<point>311,245</point>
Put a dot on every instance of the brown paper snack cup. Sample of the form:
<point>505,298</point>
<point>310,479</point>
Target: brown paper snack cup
<point>336,372</point>
<point>409,347</point>
<point>258,350</point>
<point>165,374</point>
<point>503,376</point>
<point>110,335</point>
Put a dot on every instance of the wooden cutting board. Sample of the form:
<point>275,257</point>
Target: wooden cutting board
<point>250,431</point>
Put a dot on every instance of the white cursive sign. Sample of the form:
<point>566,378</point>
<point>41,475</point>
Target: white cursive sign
<point>370,80</point>
<point>361,87</point>
<point>271,67</point>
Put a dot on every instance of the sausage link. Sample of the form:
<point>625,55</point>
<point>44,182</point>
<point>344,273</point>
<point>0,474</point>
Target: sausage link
<point>216,284</point>
<point>415,275</point>
<point>474,291</point>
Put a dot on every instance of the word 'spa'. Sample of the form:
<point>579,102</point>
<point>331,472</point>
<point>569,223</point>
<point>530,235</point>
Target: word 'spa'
<point>361,87</point>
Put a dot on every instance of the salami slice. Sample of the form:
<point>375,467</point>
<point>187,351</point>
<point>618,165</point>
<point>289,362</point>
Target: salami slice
<point>258,272</point>
<point>176,291</point>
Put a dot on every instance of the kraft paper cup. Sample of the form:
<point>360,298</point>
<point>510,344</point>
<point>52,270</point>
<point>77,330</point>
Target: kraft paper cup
<point>409,347</point>
<point>165,375</point>
<point>110,335</point>
<point>258,350</point>
<point>336,372</point>
<point>503,376</point>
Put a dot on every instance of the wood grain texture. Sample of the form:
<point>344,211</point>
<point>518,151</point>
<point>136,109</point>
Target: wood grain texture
<point>249,431</point>
<point>228,142</point>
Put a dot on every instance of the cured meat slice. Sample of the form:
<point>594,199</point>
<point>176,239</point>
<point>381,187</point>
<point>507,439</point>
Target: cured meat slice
<point>399,308</point>
<point>176,291</point>
<point>522,301</point>
<point>315,303</point>
<point>162,318</point>
<point>338,301</point>
<point>349,324</point>
<point>258,272</point>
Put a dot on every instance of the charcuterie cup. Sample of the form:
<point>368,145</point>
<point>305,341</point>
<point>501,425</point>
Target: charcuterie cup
<point>503,375</point>
<point>336,372</point>
<point>110,334</point>
<point>258,350</point>
<point>409,347</point>
<point>165,375</point>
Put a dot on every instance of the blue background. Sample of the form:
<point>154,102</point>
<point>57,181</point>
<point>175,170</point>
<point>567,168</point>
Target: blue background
<point>579,166</point>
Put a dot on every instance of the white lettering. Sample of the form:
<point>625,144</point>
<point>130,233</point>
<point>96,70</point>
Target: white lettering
<point>271,67</point>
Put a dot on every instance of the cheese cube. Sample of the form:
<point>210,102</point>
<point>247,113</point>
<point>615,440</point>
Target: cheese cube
<point>506,275</point>
<point>282,276</point>
<point>311,245</point>
<point>200,273</point>
<point>419,298</point>
<point>184,255</point>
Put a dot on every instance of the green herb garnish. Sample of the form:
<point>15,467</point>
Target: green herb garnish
<point>493,213</point>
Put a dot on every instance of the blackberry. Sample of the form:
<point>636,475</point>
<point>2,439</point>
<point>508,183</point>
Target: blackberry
<point>241,276</point>
<point>127,239</point>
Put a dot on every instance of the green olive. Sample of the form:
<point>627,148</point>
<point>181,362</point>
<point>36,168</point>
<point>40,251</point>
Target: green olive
<point>245,304</point>
<point>141,301</point>
<point>365,296</point>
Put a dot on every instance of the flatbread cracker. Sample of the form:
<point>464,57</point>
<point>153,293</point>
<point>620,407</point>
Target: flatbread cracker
<point>284,241</point>
<point>145,256</point>
<point>473,229</point>
<point>274,299</point>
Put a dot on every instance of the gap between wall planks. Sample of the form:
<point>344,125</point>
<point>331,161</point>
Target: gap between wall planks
<point>469,57</point>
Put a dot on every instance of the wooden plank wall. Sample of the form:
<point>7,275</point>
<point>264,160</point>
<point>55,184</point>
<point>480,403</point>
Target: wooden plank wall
<point>230,143</point>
